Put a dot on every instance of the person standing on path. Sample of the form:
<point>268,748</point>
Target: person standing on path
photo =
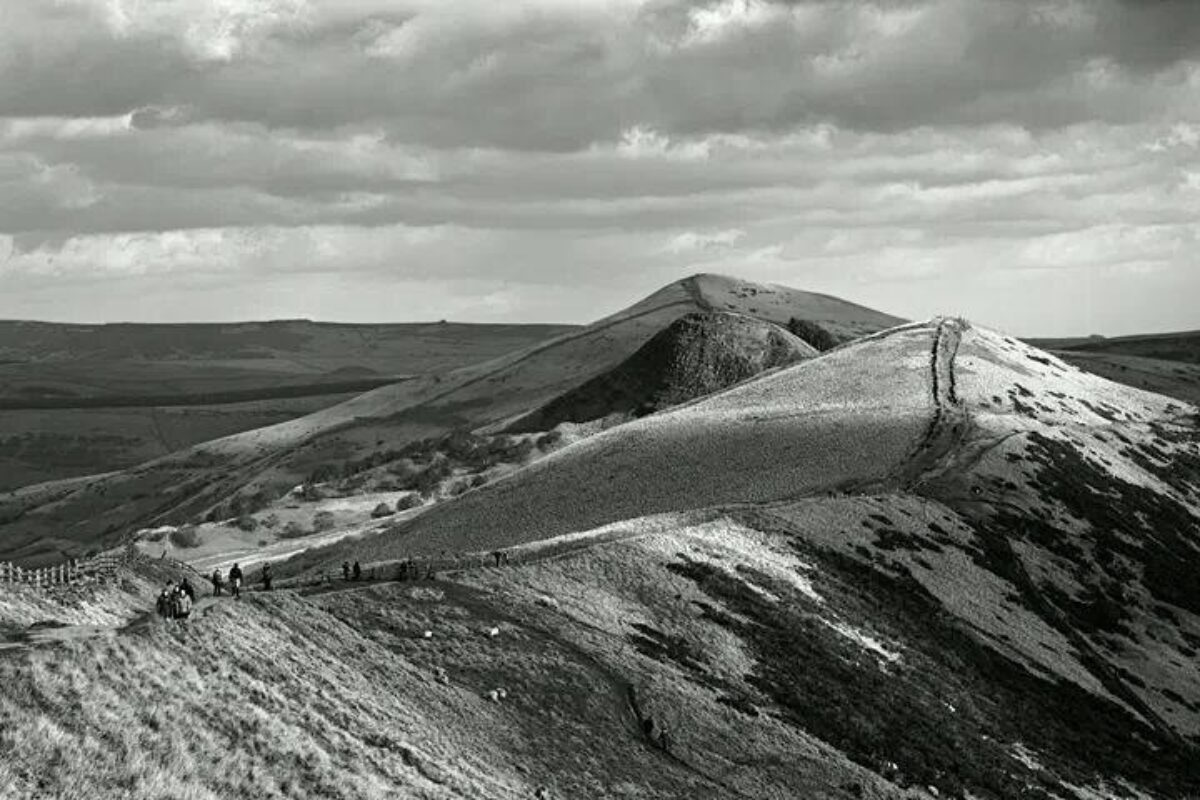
<point>345,570</point>
<point>357,572</point>
<point>235,581</point>
<point>216,582</point>
<point>266,577</point>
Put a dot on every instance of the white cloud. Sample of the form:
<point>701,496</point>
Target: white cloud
<point>855,148</point>
<point>690,241</point>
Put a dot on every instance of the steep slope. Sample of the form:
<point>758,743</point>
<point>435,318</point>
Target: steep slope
<point>853,415</point>
<point>696,355</point>
<point>1176,379</point>
<point>934,563</point>
<point>176,487</point>
<point>978,520</point>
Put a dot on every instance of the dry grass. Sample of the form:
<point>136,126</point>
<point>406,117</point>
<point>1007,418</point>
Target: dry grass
<point>821,425</point>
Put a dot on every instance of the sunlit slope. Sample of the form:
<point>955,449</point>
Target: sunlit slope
<point>510,384</point>
<point>853,416</point>
<point>190,482</point>
<point>696,355</point>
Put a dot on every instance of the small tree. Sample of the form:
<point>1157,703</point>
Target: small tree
<point>293,530</point>
<point>812,333</point>
<point>410,500</point>
<point>382,510</point>
<point>187,536</point>
<point>323,521</point>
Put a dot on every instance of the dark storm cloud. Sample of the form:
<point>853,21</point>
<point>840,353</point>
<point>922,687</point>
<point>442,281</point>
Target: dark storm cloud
<point>900,143</point>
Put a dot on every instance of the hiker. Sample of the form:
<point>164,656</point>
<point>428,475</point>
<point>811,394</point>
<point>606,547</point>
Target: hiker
<point>266,577</point>
<point>357,572</point>
<point>496,555</point>
<point>403,573</point>
<point>163,605</point>
<point>183,601</point>
<point>235,581</point>
<point>217,582</point>
<point>186,587</point>
<point>345,570</point>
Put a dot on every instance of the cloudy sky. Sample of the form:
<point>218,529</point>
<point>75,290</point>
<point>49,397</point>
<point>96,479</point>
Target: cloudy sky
<point>1031,165</point>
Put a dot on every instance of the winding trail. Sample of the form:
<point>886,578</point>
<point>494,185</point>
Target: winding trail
<point>950,422</point>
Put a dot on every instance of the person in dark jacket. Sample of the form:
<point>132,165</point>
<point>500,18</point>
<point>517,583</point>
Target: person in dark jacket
<point>217,582</point>
<point>357,572</point>
<point>345,570</point>
<point>163,605</point>
<point>266,577</point>
<point>235,581</point>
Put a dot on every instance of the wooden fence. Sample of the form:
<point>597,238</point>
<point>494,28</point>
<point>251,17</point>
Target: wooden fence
<point>102,567</point>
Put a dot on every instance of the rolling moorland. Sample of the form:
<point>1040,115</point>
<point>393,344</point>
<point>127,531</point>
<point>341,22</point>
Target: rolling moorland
<point>221,478</point>
<point>693,550</point>
<point>83,399</point>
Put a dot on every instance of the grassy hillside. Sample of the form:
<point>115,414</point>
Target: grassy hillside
<point>934,563</point>
<point>342,695</point>
<point>1177,379</point>
<point>696,355</point>
<point>1004,451</point>
<point>819,426</point>
<point>193,481</point>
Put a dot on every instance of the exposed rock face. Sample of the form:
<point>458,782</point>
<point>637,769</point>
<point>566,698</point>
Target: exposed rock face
<point>694,356</point>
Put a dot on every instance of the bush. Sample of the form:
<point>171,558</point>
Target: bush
<point>812,333</point>
<point>187,536</point>
<point>411,500</point>
<point>293,530</point>
<point>323,521</point>
<point>549,439</point>
<point>311,493</point>
<point>246,523</point>
<point>382,510</point>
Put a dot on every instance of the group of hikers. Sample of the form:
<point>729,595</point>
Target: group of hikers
<point>235,580</point>
<point>176,600</point>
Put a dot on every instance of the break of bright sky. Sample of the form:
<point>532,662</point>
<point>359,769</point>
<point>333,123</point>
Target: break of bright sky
<point>1030,165</point>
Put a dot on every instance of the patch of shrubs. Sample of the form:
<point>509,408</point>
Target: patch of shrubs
<point>411,500</point>
<point>293,530</point>
<point>814,334</point>
<point>185,536</point>
<point>382,510</point>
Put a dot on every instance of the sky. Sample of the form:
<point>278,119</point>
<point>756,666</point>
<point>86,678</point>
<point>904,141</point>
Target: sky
<point>1033,166</point>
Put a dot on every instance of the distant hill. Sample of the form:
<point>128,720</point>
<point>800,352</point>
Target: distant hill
<point>490,393</point>
<point>694,356</point>
<point>82,399</point>
<point>1181,346</point>
<point>42,359</point>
